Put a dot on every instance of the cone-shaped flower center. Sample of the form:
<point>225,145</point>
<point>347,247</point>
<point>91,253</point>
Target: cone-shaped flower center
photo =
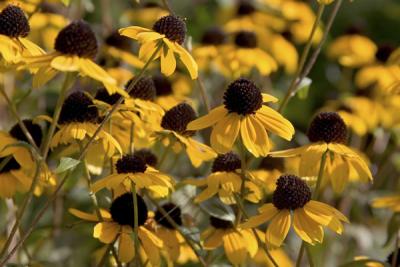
<point>148,157</point>
<point>220,224</point>
<point>214,36</point>
<point>244,8</point>
<point>162,84</point>
<point>327,127</point>
<point>173,27</point>
<point>13,22</point>
<point>243,97</point>
<point>384,52</point>
<point>272,164</point>
<point>144,89</point>
<point>228,162</point>
<point>173,211</point>
<point>246,39</point>
<point>291,193</point>
<point>103,95</point>
<point>11,164</point>
<point>33,129</point>
<point>131,163</point>
<point>122,210</point>
<point>78,107</point>
<point>177,118</point>
<point>77,39</point>
<point>118,41</point>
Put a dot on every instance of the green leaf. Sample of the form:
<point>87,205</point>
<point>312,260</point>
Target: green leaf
<point>66,164</point>
<point>392,228</point>
<point>216,208</point>
<point>303,88</point>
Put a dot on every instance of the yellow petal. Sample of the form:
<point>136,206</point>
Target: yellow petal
<point>132,31</point>
<point>208,120</point>
<point>254,136</point>
<point>65,63</point>
<point>84,215</point>
<point>94,71</point>
<point>275,122</point>
<point>168,62</point>
<point>106,232</point>
<point>188,61</point>
<point>307,229</point>
<point>225,132</point>
<point>266,213</point>
<point>126,250</point>
<point>278,229</point>
<point>234,246</point>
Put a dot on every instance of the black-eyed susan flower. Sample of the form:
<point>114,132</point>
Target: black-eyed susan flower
<point>243,112</point>
<point>165,39</point>
<point>173,133</point>
<point>389,202</point>
<point>78,122</point>
<point>13,177</point>
<point>119,47</point>
<point>244,55</point>
<point>292,201</point>
<point>353,50</point>
<point>133,170</point>
<point>174,243</point>
<point>225,180</point>
<point>75,48</point>
<point>239,244</point>
<point>22,161</point>
<point>118,226</point>
<point>14,46</point>
<point>328,135</point>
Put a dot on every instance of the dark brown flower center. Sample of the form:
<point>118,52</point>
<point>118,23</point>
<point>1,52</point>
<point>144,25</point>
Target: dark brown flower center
<point>173,211</point>
<point>13,22</point>
<point>177,118</point>
<point>173,27</point>
<point>131,164</point>
<point>122,210</point>
<point>78,107</point>
<point>269,164</point>
<point>291,193</point>
<point>243,97</point>
<point>144,89</point>
<point>33,129</point>
<point>77,39</point>
<point>148,157</point>
<point>245,7</point>
<point>246,39</point>
<point>220,224</point>
<point>384,52</point>
<point>214,36</point>
<point>162,84</point>
<point>103,95</point>
<point>327,127</point>
<point>228,162</point>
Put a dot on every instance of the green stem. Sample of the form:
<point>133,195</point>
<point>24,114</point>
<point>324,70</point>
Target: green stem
<point>91,193</point>
<point>42,211</point>
<point>4,162</point>
<point>203,93</point>
<point>188,240</point>
<point>243,177</point>
<point>69,79</point>
<point>315,195</point>
<point>396,251</point>
<point>303,58</point>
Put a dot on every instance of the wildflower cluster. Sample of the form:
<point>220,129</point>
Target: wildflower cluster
<point>136,136</point>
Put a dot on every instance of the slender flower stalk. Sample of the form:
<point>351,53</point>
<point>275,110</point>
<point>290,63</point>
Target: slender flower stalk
<point>315,196</point>
<point>303,58</point>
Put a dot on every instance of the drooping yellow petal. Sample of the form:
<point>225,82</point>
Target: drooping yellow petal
<point>254,136</point>
<point>212,238</point>
<point>235,248</point>
<point>278,229</point>
<point>132,31</point>
<point>65,63</point>
<point>106,232</point>
<point>188,61</point>
<point>267,212</point>
<point>168,62</point>
<point>251,241</point>
<point>307,229</point>
<point>225,132</point>
<point>126,249</point>
<point>83,215</point>
<point>94,71</point>
<point>275,122</point>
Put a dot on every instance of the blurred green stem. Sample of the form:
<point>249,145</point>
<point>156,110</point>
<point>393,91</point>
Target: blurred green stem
<point>396,250</point>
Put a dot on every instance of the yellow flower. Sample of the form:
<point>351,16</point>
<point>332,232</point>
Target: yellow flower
<point>13,177</point>
<point>118,225</point>
<point>22,161</point>
<point>243,112</point>
<point>389,202</point>
<point>244,55</point>
<point>268,172</point>
<point>13,44</point>
<point>292,198</point>
<point>328,134</point>
<point>75,46</point>
<point>173,133</point>
<point>174,243</point>
<point>239,244</point>
<point>145,15</point>
<point>78,122</point>
<point>353,50</point>
<point>226,181</point>
<point>133,169</point>
<point>165,39</point>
